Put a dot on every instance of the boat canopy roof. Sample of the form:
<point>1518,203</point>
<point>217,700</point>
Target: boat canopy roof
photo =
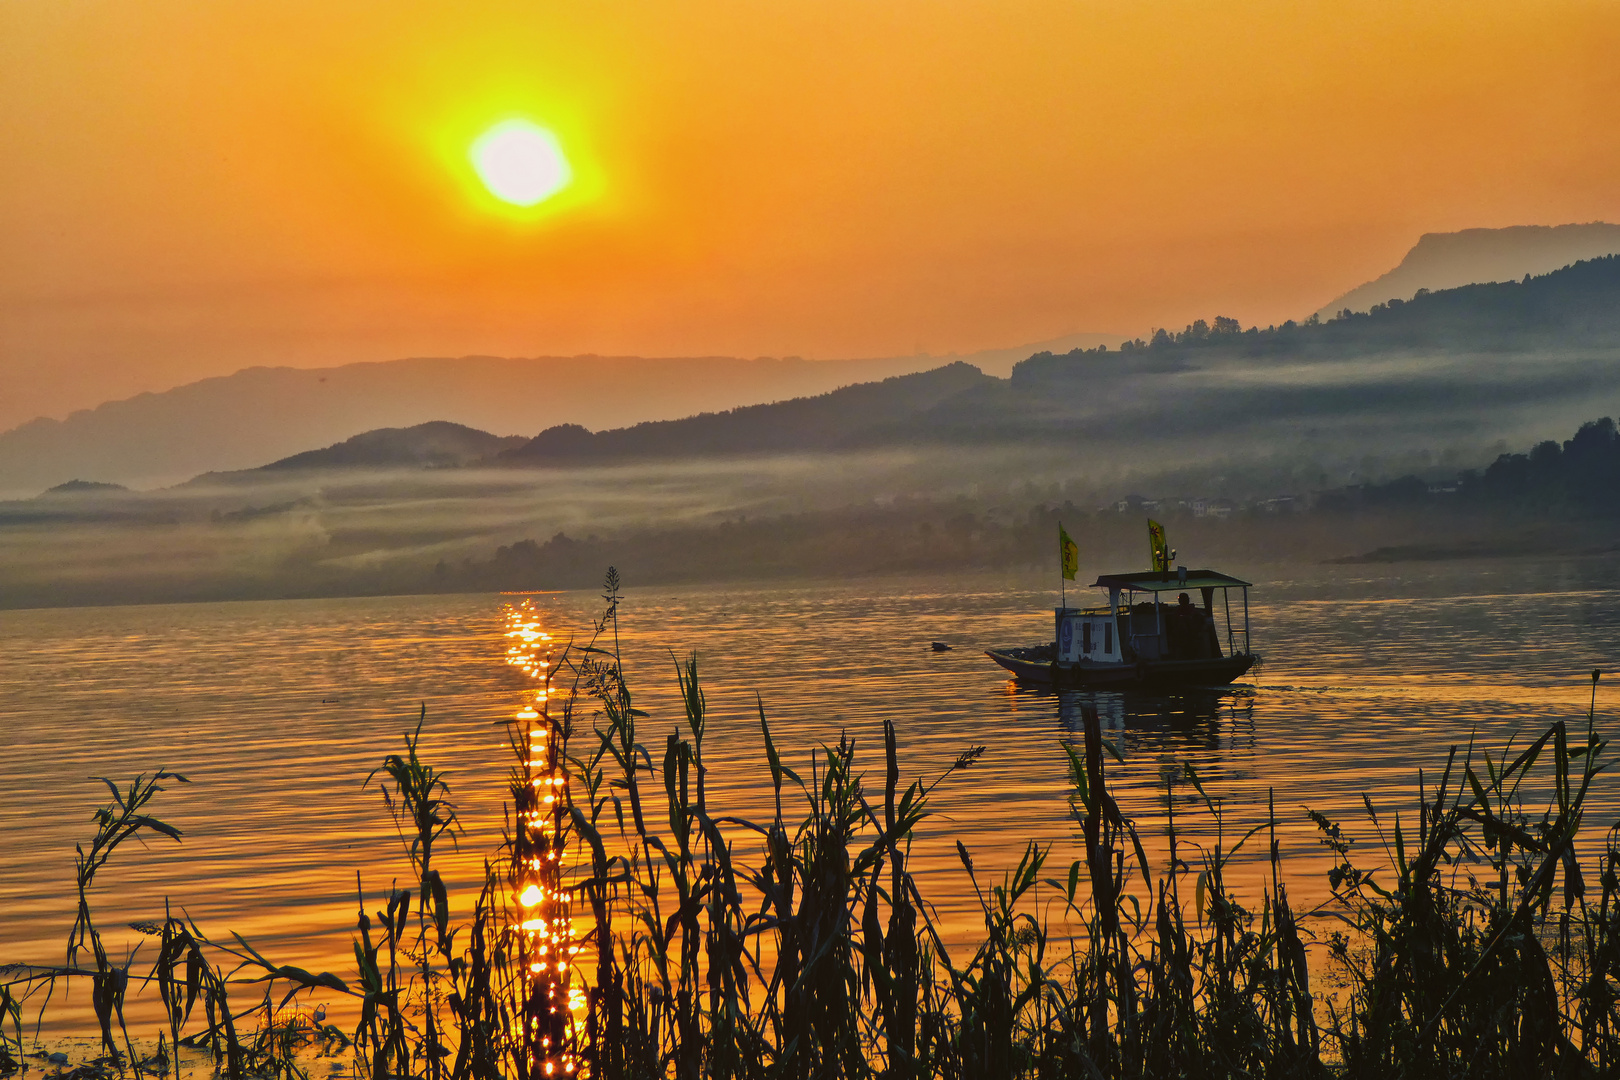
<point>1155,581</point>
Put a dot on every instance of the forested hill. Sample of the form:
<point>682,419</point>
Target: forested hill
<point>1580,477</point>
<point>437,443</point>
<point>1446,260</point>
<point>1576,306</point>
<point>854,416</point>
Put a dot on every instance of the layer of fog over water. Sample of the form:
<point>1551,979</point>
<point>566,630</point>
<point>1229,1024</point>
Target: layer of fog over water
<point>1221,426</point>
<point>277,711</point>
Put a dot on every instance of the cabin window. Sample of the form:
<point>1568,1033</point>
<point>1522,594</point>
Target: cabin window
<point>1085,637</point>
<point>1108,638</point>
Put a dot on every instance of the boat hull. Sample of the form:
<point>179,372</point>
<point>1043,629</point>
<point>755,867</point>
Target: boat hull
<point>1153,674</point>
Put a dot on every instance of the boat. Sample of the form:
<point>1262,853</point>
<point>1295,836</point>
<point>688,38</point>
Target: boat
<point>1138,641</point>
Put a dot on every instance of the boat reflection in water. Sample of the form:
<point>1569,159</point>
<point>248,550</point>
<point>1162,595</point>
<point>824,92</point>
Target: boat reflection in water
<point>1195,722</point>
<point>1213,731</point>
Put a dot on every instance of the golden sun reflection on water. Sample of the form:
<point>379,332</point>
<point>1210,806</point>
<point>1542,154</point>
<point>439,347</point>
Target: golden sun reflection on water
<point>554,1006</point>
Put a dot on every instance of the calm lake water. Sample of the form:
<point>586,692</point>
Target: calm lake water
<point>278,711</point>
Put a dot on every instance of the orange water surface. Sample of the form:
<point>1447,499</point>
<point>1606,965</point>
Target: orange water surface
<point>278,711</point>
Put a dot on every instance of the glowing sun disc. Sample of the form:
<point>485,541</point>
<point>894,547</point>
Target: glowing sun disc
<point>520,163</point>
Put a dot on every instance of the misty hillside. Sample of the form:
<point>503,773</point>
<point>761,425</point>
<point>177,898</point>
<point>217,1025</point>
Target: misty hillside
<point>1513,360</point>
<point>1473,256</point>
<point>437,444</point>
<point>264,414</point>
<point>1577,307</point>
<point>1446,373</point>
<point>855,416</point>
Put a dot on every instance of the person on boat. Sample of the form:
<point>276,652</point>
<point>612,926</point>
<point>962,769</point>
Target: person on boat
<point>1177,627</point>
<point>1188,631</point>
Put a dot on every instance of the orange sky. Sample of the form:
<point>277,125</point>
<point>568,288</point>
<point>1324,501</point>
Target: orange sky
<point>191,187</point>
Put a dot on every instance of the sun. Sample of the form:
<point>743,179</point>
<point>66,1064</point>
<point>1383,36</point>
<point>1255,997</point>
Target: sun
<point>520,163</point>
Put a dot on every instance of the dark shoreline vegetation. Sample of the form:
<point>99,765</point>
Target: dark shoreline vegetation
<point>1465,937</point>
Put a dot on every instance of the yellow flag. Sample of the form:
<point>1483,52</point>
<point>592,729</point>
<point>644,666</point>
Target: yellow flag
<point>1161,552</point>
<point>1069,552</point>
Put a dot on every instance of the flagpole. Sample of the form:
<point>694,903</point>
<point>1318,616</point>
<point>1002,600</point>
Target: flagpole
<point>1063,588</point>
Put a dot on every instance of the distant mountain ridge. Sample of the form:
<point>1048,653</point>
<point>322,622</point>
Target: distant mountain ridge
<point>257,415</point>
<point>262,414</point>
<point>846,418</point>
<point>1203,381</point>
<point>1477,256</point>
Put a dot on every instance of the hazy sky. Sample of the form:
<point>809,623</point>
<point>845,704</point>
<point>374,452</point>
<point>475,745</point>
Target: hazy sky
<point>190,187</point>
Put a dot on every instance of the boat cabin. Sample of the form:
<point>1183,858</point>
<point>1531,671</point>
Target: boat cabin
<point>1157,615</point>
